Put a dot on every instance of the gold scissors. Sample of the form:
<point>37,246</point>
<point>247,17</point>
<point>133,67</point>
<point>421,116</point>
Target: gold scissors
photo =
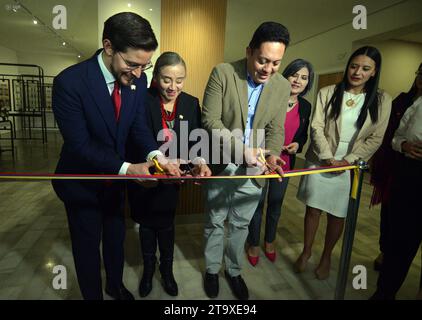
<point>158,169</point>
<point>188,169</point>
<point>261,158</point>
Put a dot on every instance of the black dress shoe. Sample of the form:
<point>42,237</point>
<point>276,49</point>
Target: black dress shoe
<point>120,293</point>
<point>170,284</point>
<point>145,286</point>
<point>211,285</point>
<point>378,295</point>
<point>238,286</point>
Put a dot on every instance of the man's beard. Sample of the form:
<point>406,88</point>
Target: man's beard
<point>118,76</point>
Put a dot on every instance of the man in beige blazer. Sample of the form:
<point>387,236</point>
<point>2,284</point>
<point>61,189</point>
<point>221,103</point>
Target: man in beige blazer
<point>243,101</point>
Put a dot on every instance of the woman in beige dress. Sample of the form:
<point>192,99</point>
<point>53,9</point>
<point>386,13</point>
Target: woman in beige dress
<point>348,124</point>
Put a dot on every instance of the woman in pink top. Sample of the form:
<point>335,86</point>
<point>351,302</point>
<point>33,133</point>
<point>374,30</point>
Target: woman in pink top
<point>300,75</point>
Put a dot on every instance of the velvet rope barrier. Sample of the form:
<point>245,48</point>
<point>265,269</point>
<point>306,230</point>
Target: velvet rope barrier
<point>53,176</point>
<point>351,219</point>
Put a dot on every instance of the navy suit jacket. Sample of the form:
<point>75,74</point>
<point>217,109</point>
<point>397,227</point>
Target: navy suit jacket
<point>94,142</point>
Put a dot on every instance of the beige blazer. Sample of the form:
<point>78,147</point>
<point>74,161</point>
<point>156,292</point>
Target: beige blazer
<point>225,106</point>
<point>325,133</point>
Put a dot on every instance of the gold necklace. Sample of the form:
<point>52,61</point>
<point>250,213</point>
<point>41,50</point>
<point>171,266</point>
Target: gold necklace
<point>351,102</point>
<point>292,103</point>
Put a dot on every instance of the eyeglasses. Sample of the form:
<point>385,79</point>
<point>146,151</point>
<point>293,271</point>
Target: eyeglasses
<point>132,67</point>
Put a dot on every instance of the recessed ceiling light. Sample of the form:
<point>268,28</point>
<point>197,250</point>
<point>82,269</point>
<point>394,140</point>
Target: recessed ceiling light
<point>129,5</point>
<point>79,56</point>
<point>150,9</point>
<point>64,43</point>
<point>35,21</point>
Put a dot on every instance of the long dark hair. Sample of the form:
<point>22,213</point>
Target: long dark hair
<point>413,90</point>
<point>373,96</point>
<point>294,67</point>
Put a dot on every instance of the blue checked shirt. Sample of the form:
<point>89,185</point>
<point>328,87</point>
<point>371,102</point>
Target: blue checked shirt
<point>254,92</point>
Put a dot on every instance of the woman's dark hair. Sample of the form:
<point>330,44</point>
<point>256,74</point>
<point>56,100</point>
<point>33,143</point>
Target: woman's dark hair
<point>167,59</point>
<point>294,67</point>
<point>372,98</point>
<point>129,30</point>
<point>413,90</point>
<point>270,32</point>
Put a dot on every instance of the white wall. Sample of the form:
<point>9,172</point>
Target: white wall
<point>329,51</point>
<point>51,64</point>
<point>8,56</point>
<point>400,60</point>
<point>107,8</point>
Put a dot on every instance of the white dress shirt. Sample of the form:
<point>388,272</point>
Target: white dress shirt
<point>410,128</point>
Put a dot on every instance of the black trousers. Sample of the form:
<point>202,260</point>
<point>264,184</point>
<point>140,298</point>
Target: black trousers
<point>404,229</point>
<point>88,227</point>
<point>153,207</point>
<point>275,191</point>
<point>384,225</point>
<point>149,238</point>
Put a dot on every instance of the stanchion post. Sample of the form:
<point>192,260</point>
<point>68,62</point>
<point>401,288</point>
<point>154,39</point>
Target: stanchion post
<point>349,231</point>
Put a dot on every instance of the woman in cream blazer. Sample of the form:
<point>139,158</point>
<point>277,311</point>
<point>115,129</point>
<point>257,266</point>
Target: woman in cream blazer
<point>348,124</point>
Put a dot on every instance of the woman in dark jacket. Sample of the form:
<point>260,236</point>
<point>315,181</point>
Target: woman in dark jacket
<point>300,75</point>
<point>170,112</point>
<point>385,160</point>
<point>395,179</point>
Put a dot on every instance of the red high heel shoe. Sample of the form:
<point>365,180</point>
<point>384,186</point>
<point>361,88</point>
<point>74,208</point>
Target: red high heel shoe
<point>253,260</point>
<point>271,255</point>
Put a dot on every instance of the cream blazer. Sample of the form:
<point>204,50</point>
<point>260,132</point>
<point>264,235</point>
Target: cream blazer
<point>325,132</point>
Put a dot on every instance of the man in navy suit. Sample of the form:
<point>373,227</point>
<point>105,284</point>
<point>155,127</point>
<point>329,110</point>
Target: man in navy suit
<point>98,104</point>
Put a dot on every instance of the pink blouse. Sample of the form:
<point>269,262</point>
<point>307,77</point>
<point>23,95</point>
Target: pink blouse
<point>290,127</point>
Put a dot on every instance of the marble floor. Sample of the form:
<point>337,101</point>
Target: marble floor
<point>34,238</point>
